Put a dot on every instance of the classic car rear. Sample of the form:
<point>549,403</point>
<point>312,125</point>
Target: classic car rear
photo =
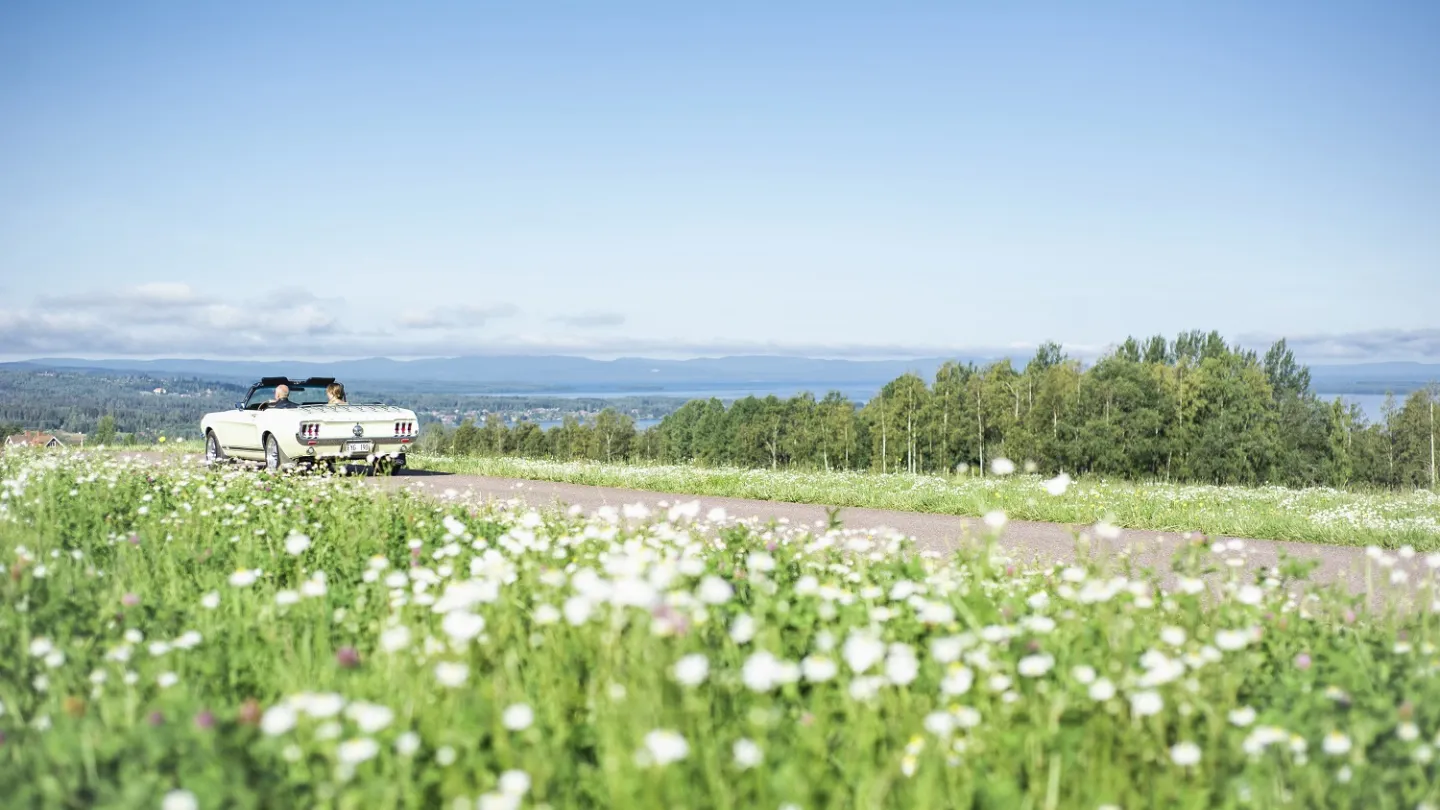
<point>303,429</point>
<point>328,432</point>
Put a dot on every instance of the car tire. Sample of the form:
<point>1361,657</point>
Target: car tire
<point>213,454</point>
<point>275,458</point>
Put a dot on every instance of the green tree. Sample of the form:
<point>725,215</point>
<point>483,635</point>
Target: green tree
<point>466,440</point>
<point>613,434</point>
<point>104,430</point>
<point>495,435</point>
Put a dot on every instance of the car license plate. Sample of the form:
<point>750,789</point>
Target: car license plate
<point>357,447</point>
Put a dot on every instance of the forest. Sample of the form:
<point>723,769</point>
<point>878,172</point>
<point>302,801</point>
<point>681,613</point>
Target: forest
<point>1188,409</point>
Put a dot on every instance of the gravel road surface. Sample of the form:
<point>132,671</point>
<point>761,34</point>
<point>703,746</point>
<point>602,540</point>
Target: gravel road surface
<point>1023,541</point>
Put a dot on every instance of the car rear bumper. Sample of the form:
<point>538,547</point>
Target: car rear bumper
<point>363,448</point>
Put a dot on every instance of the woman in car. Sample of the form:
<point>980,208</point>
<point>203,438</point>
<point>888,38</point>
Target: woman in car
<point>336,392</point>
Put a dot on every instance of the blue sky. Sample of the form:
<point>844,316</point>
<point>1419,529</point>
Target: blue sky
<point>267,180</point>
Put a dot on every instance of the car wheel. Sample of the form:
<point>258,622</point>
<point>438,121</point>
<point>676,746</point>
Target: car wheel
<point>275,458</point>
<point>213,454</point>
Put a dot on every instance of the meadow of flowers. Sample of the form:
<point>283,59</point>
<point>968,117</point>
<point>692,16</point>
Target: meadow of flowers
<point>1318,515</point>
<point>185,638</point>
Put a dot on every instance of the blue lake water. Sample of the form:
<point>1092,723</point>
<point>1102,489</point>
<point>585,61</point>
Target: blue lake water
<point>857,393</point>
<point>1370,404</point>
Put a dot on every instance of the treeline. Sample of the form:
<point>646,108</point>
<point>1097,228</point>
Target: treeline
<point>1192,408</point>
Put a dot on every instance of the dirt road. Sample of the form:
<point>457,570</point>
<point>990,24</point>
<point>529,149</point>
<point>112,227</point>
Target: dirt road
<point>1024,541</point>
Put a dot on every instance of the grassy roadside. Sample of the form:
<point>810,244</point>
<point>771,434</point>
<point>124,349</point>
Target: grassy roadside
<point>1336,517</point>
<point>193,638</point>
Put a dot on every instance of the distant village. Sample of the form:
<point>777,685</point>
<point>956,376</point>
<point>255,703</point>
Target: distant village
<point>208,392</point>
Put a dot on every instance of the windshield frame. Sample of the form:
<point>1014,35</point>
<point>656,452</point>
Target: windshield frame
<point>299,395</point>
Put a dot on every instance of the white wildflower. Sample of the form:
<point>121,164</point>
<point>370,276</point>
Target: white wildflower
<point>462,626</point>
<point>692,669</point>
<point>514,783</point>
<point>1144,704</point>
<point>407,744</point>
<point>957,681</point>
<point>1231,640</point>
<point>451,674</point>
<point>278,719</point>
<point>862,651</point>
<point>296,544</point>
<point>1185,754</point>
<point>760,672</point>
<point>518,717</point>
<point>179,800</point>
<point>1034,666</point>
<point>370,717</point>
<point>394,639</point>
<point>353,752</point>
<point>1336,744</point>
<point>742,629</point>
<point>818,668</point>
<point>714,591</point>
<point>901,666</point>
<point>1174,636</point>
<point>747,754</point>
<point>665,747</point>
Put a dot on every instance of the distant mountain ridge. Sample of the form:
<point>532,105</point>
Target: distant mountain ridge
<point>559,373</point>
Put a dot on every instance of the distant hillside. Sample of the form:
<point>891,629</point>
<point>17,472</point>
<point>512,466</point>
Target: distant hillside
<point>560,374</point>
<point>540,373</point>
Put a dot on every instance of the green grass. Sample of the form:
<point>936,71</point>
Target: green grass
<point>171,642</point>
<point>1319,515</point>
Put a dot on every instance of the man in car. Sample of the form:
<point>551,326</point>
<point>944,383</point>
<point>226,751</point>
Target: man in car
<point>282,398</point>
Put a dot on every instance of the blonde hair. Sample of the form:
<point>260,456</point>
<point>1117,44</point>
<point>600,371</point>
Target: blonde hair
<point>336,391</point>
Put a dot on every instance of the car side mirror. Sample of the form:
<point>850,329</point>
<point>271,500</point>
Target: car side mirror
<point>239,406</point>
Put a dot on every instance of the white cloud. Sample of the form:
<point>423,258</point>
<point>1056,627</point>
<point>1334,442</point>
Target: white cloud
<point>456,316</point>
<point>1417,345</point>
<point>163,295</point>
<point>176,320</point>
<point>591,320</point>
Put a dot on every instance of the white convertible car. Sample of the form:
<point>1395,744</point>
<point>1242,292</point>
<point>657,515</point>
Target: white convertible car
<point>306,431</point>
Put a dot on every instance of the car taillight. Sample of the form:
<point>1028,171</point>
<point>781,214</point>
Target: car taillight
<point>404,429</point>
<point>310,430</point>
